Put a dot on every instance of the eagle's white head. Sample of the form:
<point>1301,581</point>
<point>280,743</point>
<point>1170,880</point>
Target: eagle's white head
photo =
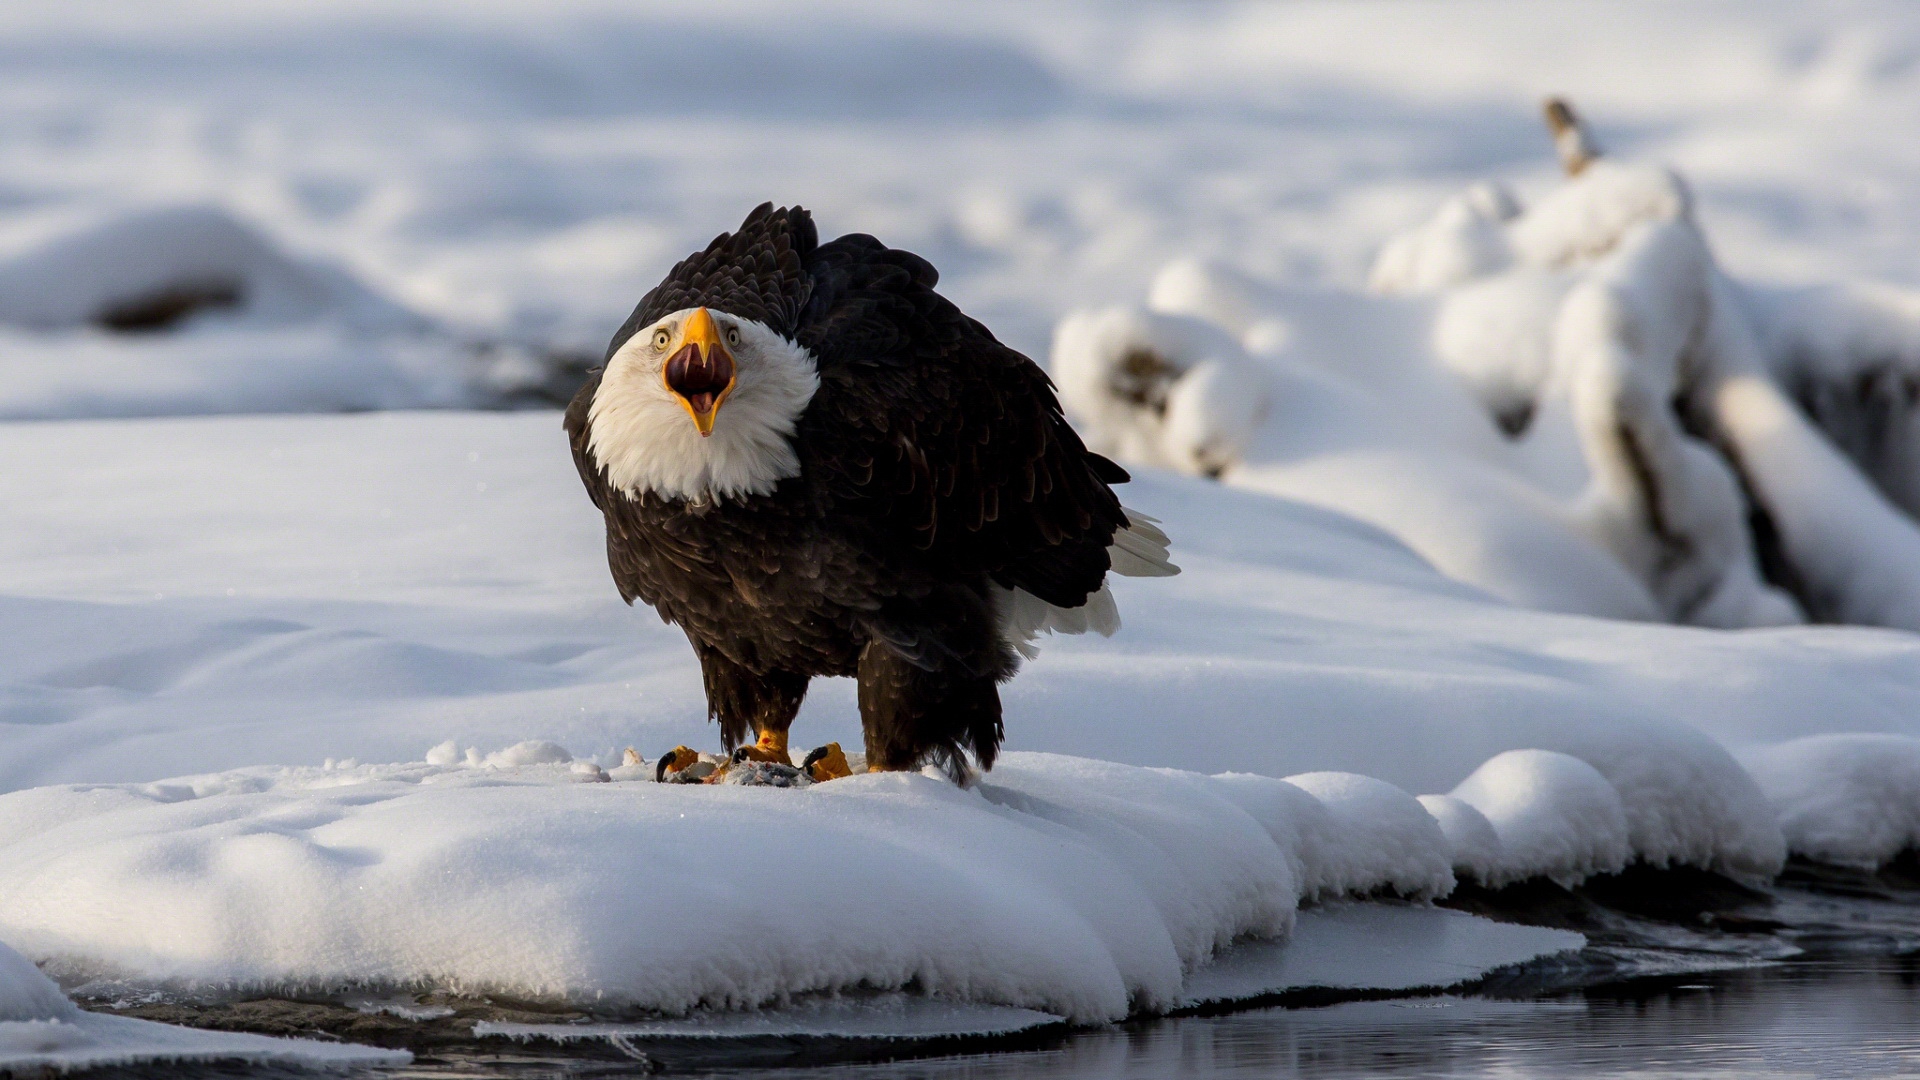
<point>701,405</point>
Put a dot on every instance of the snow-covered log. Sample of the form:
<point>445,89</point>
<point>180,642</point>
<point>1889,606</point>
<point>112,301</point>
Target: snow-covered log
<point>1464,240</point>
<point>152,269</point>
<point>1571,139</point>
<point>1849,356</point>
<point>1663,502</point>
<point>1166,390</point>
<point>1729,430</point>
<point>1743,454</point>
<point>1352,426</point>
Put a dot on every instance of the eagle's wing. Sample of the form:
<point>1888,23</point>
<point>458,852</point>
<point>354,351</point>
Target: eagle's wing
<point>950,440</point>
<point>623,549</point>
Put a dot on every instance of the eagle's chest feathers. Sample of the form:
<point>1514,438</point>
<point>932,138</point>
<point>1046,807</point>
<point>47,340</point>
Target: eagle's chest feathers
<point>755,577</point>
<point>640,433</point>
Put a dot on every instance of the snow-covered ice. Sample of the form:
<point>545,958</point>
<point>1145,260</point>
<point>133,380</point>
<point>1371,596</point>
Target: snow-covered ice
<point>432,581</point>
<point>41,1031</point>
<point>1084,889</point>
<point>1351,946</point>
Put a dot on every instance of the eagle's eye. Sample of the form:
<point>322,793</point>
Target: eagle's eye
<point>662,338</point>
<point>733,336</point>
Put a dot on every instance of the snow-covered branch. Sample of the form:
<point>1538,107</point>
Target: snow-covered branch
<point>1746,455</point>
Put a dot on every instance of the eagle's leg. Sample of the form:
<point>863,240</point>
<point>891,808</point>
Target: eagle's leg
<point>744,701</point>
<point>929,688</point>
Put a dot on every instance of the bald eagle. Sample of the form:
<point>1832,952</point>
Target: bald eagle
<point>815,464</point>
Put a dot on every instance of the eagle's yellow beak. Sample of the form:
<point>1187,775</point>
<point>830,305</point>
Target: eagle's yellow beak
<point>700,370</point>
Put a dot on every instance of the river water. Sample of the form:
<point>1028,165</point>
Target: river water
<point>1837,1017</point>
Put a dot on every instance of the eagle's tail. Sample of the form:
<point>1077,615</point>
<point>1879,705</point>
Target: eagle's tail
<point>1138,550</point>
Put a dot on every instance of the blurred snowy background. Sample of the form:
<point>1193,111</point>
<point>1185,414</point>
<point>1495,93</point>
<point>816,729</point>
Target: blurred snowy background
<point>514,181</point>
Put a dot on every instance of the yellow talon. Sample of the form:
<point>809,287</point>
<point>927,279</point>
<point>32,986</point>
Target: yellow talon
<point>831,765</point>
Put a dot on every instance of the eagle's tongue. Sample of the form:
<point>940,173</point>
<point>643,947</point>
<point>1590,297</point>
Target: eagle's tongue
<point>699,376</point>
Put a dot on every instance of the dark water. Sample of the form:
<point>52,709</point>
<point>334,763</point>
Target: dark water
<point>1855,1017</point>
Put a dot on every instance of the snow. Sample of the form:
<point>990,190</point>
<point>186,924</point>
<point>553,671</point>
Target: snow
<point>1407,349</point>
<point>1846,799</point>
<point>1297,643</point>
<point>279,334</point>
<point>1349,946</point>
<point>1471,841</point>
<point>100,1041</point>
<point>1341,946</point>
<point>1084,889</point>
<point>27,995</point>
<point>1554,816</point>
<point>1380,839</point>
<point>73,278</point>
<point>40,1030</point>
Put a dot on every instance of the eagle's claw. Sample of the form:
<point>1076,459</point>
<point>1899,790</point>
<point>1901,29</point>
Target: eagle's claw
<point>827,762</point>
<point>682,765</point>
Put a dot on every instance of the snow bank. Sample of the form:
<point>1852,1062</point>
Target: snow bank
<point>1085,889</point>
<point>1847,799</point>
<point>432,577</point>
<point>1555,816</point>
<point>26,994</point>
<point>1375,836</point>
<point>40,1030</point>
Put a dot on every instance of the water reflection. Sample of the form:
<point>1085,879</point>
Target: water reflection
<point>1857,1019</point>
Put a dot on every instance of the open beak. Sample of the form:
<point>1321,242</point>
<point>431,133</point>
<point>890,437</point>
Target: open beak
<point>701,370</point>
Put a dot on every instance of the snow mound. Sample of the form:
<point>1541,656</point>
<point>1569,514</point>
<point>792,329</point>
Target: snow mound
<point>1381,838</point>
<point>1474,845</point>
<point>1463,240</point>
<point>1593,213</point>
<point>1555,817</point>
<point>1353,416</point>
<point>1701,404</point>
<point>26,994</point>
<point>1847,799</point>
<point>1078,888</point>
<point>1168,390</point>
<point>188,310</point>
<point>148,269</point>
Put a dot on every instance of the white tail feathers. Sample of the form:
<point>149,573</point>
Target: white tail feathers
<point>1024,617</point>
<point>1139,550</point>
